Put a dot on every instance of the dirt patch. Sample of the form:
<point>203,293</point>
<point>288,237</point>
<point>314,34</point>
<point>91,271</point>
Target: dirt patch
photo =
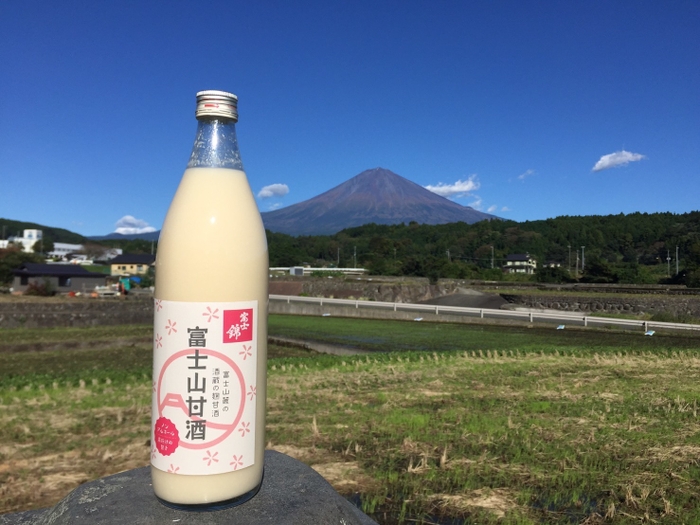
<point>74,345</point>
<point>680,454</point>
<point>469,299</point>
<point>53,476</point>
<point>496,501</point>
<point>322,348</point>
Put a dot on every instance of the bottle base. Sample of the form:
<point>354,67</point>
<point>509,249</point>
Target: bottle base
<point>215,505</point>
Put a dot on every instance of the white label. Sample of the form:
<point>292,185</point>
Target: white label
<point>204,386</point>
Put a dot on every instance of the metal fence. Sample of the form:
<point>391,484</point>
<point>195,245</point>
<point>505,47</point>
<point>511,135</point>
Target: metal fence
<point>531,316</point>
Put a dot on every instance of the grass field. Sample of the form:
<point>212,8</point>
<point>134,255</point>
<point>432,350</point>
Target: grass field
<point>457,424</point>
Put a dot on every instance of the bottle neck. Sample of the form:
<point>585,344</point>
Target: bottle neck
<point>216,145</point>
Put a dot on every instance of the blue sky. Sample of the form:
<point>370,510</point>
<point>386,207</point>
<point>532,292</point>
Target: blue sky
<point>526,109</point>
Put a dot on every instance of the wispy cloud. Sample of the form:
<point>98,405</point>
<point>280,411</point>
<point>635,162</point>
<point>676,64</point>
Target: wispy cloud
<point>459,189</point>
<point>273,190</point>
<point>505,208</point>
<point>525,175</point>
<point>274,206</point>
<point>617,159</point>
<point>492,208</point>
<point>129,225</point>
<point>477,203</point>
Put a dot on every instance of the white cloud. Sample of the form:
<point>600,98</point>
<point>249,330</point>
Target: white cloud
<point>505,208</point>
<point>614,160</point>
<point>492,208</point>
<point>477,203</point>
<point>129,225</point>
<point>523,176</point>
<point>273,190</point>
<point>274,206</point>
<point>461,188</point>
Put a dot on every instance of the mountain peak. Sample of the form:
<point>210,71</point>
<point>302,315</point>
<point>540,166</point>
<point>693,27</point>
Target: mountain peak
<point>376,195</point>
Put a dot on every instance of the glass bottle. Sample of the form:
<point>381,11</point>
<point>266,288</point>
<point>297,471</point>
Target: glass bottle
<point>210,325</point>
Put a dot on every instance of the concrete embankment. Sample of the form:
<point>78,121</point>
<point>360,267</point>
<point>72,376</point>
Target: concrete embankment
<point>676,305</point>
<point>53,312</point>
<point>78,312</point>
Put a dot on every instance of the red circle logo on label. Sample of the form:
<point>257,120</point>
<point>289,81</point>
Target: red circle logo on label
<point>166,436</point>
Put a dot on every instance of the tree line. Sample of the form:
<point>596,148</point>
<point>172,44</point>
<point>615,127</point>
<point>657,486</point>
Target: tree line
<point>637,248</point>
<point>633,248</point>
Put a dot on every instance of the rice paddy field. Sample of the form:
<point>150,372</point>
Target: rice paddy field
<point>434,423</point>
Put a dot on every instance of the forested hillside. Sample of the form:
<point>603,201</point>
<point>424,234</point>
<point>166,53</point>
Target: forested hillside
<point>618,248</point>
<point>632,248</point>
<point>11,228</point>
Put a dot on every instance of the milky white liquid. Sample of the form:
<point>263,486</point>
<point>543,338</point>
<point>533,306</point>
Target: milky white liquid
<point>213,248</point>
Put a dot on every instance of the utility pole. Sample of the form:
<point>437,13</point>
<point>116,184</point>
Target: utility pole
<point>576,263</point>
<point>583,258</point>
<point>668,263</point>
<point>448,256</point>
<point>676,260</point>
<point>569,259</point>
<point>492,257</point>
<point>338,265</point>
<point>354,258</point>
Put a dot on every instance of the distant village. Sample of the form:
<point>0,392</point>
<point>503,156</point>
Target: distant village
<point>65,269</point>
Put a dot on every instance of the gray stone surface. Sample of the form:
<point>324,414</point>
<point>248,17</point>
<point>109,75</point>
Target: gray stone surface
<point>291,494</point>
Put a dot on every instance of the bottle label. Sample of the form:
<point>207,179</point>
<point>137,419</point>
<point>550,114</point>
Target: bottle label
<point>204,386</point>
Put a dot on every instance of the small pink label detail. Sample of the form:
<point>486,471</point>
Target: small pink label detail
<point>166,436</point>
<point>238,325</point>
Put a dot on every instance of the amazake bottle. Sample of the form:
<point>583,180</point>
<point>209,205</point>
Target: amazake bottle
<point>210,325</point>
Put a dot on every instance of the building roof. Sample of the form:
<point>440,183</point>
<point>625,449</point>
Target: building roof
<point>55,270</point>
<point>133,258</point>
<point>519,257</point>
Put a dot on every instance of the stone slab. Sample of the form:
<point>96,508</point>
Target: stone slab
<point>291,494</point>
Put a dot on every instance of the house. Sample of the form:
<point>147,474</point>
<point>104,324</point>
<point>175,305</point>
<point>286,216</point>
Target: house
<point>131,264</point>
<point>520,263</point>
<point>61,278</point>
<point>27,241</point>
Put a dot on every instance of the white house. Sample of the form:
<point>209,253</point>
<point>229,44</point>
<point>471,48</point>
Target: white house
<point>520,263</point>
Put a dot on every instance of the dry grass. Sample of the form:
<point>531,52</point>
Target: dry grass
<point>499,437</point>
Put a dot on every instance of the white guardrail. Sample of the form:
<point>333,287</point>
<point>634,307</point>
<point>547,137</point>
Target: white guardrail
<point>530,316</point>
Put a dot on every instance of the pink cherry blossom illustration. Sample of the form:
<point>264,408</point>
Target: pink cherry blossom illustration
<point>173,469</point>
<point>252,392</point>
<point>211,314</point>
<point>211,457</point>
<point>159,341</point>
<point>159,305</point>
<point>237,461</point>
<point>246,352</point>
<point>244,428</point>
<point>170,327</point>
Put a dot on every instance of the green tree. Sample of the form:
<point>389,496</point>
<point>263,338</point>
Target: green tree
<point>43,246</point>
<point>13,258</point>
<point>552,275</point>
<point>598,271</point>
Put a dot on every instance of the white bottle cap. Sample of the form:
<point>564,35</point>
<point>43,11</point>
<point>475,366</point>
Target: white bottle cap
<point>214,103</point>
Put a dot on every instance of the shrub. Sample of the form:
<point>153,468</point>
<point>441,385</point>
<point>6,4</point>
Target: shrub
<point>40,289</point>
